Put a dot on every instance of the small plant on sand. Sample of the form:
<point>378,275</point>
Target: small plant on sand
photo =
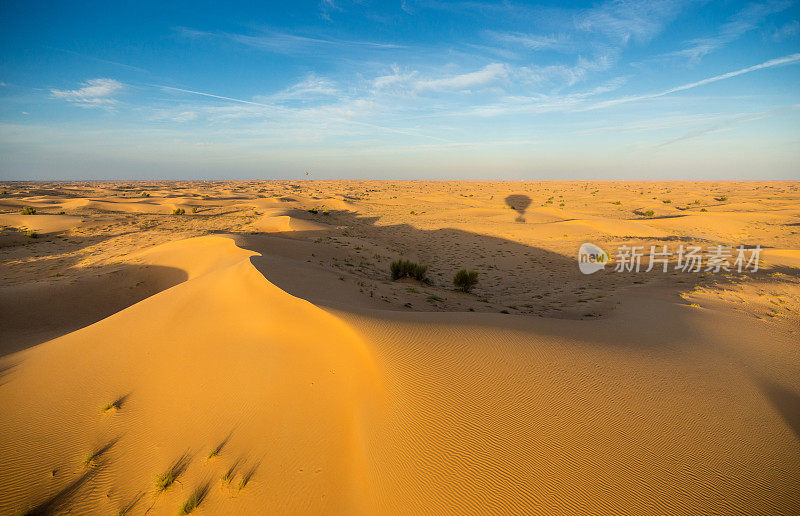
<point>465,280</point>
<point>721,198</point>
<point>178,211</point>
<point>703,209</point>
<point>114,405</point>
<point>194,500</point>
<point>90,459</point>
<point>194,209</point>
<point>32,234</point>
<point>313,211</point>
<point>406,268</point>
<point>169,477</point>
<point>27,210</point>
<point>617,202</point>
<point>649,213</point>
<point>666,201</point>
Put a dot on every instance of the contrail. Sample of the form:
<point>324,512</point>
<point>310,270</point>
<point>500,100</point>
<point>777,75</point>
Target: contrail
<point>767,64</point>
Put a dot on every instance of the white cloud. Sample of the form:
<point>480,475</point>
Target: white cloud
<point>185,116</point>
<point>488,74</point>
<point>568,75</point>
<point>310,88</point>
<point>559,42</point>
<point>624,20</point>
<point>396,77</point>
<point>94,93</point>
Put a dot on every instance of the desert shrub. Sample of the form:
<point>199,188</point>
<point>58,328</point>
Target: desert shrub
<point>313,211</point>
<point>194,209</point>
<point>722,198</point>
<point>27,210</point>
<point>33,234</point>
<point>408,269</point>
<point>62,212</point>
<point>649,213</point>
<point>178,211</point>
<point>666,201</point>
<point>464,280</point>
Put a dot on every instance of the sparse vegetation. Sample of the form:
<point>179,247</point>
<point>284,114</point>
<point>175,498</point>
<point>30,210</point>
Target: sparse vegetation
<point>667,201</point>
<point>194,209</point>
<point>465,280</point>
<point>722,198</point>
<point>178,211</point>
<point>617,203</point>
<point>194,500</point>
<point>32,234</point>
<point>165,480</point>
<point>313,211</point>
<point>27,210</point>
<point>649,213</point>
<point>89,459</point>
<point>114,405</point>
<point>408,269</point>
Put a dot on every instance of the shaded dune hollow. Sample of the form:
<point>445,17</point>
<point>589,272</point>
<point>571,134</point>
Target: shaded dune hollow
<point>254,401</point>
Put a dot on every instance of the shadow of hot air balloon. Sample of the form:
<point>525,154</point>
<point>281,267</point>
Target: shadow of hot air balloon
<point>519,203</point>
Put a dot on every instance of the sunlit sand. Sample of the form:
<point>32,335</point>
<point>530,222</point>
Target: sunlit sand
<point>252,355</point>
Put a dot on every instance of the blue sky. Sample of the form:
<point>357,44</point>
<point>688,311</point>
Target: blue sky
<point>404,89</point>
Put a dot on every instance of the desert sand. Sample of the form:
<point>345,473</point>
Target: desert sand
<point>253,356</point>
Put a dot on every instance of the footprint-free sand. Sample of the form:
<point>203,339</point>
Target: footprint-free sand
<point>256,350</point>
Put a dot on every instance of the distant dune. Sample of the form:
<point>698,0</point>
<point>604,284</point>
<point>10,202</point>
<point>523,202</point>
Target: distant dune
<point>254,353</point>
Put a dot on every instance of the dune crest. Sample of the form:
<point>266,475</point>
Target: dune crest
<point>293,408</point>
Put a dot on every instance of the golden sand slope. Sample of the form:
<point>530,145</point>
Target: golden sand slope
<point>223,360</point>
<point>310,411</point>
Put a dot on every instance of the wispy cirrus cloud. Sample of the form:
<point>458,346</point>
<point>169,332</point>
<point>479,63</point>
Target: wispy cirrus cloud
<point>556,42</point>
<point>311,88</point>
<point>95,93</point>
<point>625,20</point>
<point>744,21</point>
<point>486,75</point>
<point>786,31</point>
<point>284,42</point>
<point>567,75</point>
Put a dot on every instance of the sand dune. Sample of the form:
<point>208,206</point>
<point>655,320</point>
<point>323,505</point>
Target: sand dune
<point>273,367</point>
<point>40,223</point>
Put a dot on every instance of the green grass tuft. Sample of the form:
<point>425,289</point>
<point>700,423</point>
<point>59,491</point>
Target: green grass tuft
<point>408,269</point>
<point>464,280</point>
